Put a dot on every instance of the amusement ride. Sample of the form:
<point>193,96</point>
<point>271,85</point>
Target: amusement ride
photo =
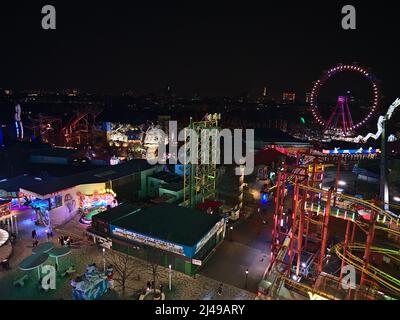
<point>320,233</point>
<point>340,124</point>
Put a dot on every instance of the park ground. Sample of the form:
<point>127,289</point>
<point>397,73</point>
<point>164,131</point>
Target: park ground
<point>201,287</point>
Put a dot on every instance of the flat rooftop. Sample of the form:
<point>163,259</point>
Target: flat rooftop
<point>116,213</point>
<point>169,222</point>
<point>167,177</point>
<point>22,181</point>
<point>98,175</point>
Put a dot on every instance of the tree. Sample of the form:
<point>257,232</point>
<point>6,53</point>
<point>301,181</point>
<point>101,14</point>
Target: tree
<point>123,268</point>
<point>152,254</point>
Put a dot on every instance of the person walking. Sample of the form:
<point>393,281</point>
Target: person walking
<point>220,289</point>
<point>34,235</point>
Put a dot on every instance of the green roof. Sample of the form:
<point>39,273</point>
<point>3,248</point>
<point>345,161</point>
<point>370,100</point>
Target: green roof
<point>169,222</point>
<point>97,175</point>
<point>116,213</point>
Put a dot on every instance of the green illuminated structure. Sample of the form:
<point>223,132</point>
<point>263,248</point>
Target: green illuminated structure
<point>200,177</point>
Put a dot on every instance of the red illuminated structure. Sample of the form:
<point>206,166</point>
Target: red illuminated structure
<point>340,118</point>
<point>302,248</point>
<point>340,121</point>
<point>80,128</point>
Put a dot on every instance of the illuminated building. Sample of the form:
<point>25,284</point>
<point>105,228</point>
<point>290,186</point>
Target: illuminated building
<point>19,127</point>
<point>308,97</point>
<point>92,204</point>
<point>289,97</point>
<point>60,198</point>
<point>174,235</point>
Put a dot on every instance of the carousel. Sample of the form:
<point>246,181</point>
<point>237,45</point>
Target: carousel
<point>90,205</point>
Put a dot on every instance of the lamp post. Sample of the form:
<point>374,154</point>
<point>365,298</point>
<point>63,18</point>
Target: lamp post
<point>247,274</point>
<point>231,228</point>
<point>170,277</point>
<point>16,225</point>
<point>104,259</point>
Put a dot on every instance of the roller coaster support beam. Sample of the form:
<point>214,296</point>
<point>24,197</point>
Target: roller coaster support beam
<point>368,244</point>
<point>327,214</point>
<point>353,233</point>
<point>384,187</point>
<point>293,222</point>
<point>274,230</point>
<point>301,227</point>
<point>346,243</point>
<point>337,180</point>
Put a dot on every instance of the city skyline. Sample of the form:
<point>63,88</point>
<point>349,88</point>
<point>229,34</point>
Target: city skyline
<point>222,50</point>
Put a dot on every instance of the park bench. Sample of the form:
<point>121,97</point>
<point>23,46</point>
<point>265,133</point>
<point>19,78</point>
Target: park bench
<point>20,282</point>
<point>69,271</point>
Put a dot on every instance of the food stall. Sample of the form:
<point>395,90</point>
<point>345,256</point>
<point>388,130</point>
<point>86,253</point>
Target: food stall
<point>91,286</point>
<point>90,205</point>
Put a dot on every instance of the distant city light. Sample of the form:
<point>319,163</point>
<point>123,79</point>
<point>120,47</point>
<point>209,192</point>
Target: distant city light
<point>351,151</point>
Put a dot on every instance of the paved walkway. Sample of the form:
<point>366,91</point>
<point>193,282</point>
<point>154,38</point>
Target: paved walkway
<point>247,247</point>
<point>85,252</point>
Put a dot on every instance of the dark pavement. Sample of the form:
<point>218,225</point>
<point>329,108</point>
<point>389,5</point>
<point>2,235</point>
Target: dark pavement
<point>246,247</point>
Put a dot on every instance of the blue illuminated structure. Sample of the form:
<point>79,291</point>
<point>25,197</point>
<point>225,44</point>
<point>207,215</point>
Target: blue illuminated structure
<point>352,151</point>
<point>264,198</point>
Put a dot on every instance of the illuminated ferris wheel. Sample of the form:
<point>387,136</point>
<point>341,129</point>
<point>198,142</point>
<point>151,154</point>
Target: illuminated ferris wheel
<point>340,122</point>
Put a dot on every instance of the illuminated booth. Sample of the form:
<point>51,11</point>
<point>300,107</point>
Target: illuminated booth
<point>165,234</point>
<point>93,204</point>
<point>4,208</point>
<point>89,192</point>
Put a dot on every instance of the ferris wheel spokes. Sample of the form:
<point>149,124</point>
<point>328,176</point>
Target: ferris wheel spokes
<point>340,123</point>
<point>340,119</point>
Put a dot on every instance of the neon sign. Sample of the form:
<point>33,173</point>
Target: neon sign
<point>159,244</point>
<point>351,151</point>
<point>314,296</point>
<point>381,120</point>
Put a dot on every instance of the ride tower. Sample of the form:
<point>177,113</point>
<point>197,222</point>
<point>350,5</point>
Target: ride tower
<point>200,176</point>
<point>341,125</point>
<point>340,122</point>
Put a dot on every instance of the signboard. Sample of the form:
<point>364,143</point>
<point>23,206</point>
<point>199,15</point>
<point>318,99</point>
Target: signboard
<point>196,262</point>
<point>91,290</point>
<point>314,296</point>
<point>156,243</point>
<point>208,236</point>
<point>351,151</point>
<point>105,244</point>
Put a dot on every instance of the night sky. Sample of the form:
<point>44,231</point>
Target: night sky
<point>194,46</point>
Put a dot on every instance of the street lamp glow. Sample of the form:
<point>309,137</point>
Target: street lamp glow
<point>247,271</point>
<point>397,199</point>
<point>342,183</point>
<point>170,277</point>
